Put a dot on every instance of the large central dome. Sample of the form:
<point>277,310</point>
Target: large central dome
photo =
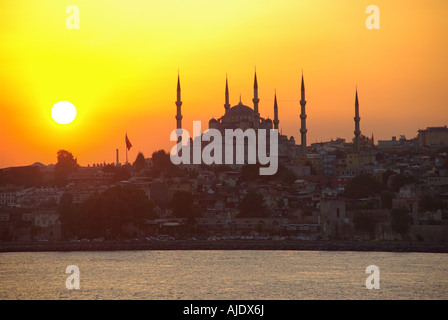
<point>240,110</point>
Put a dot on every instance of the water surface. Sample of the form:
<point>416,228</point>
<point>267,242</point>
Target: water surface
<point>203,275</point>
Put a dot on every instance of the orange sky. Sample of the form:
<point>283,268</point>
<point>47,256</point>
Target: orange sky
<point>120,70</point>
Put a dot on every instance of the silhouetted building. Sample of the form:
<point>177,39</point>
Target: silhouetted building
<point>433,136</point>
<point>244,117</point>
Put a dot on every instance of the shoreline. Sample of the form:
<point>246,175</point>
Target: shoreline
<point>225,245</point>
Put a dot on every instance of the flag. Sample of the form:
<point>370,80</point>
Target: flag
<point>128,143</point>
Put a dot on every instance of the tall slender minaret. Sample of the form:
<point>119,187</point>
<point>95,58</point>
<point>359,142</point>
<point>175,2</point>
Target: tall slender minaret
<point>303,129</point>
<point>178,104</point>
<point>256,101</point>
<point>275,112</point>
<point>227,104</point>
<point>357,130</point>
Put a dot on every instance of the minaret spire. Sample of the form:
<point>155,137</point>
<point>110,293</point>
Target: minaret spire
<point>275,112</point>
<point>227,104</point>
<point>303,129</point>
<point>357,119</point>
<point>178,104</point>
<point>255,80</point>
<point>302,89</point>
<point>255,100</point>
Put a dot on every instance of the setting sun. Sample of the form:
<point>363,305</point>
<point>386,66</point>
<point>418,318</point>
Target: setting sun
<point>63,112</point>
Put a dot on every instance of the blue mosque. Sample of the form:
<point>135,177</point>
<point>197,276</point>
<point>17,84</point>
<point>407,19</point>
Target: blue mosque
<point>244,117</point>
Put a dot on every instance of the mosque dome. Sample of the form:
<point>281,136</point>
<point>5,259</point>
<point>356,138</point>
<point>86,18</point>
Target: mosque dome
<point>240,110</point>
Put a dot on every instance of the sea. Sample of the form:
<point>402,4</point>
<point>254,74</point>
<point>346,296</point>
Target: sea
<point>223,274</point>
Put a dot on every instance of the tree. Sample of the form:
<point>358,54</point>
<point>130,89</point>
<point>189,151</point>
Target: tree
<point>364,222</point>
<point>65,211</point>
<point>105,214</point>
<point>120,173</point>
<point>368,204</point>
<point>182,205</point>
<point>284,174</point>
<point>364,141</point>
<point>161,159</point>
<point>386,197</point>
<point>252,206</point>
<point>429,202</point>
<point>162,165</point>
<point>139,162</point>
<point>399,180</point>
<point>340,154</point>
<point>308,164</point>
<point>362,186</point>
<point>400,221</point>
<point>426,202</point>
<point>66,164</point>
<point>385,176</point>
<point>250,172</point>
<point>379,156</point>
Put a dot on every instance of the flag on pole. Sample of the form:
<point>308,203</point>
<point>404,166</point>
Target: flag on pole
<point>128,143</point>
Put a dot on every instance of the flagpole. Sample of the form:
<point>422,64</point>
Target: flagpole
<point>128,146</point>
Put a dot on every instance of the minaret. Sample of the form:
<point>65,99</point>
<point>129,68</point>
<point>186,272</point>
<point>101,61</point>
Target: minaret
<point>178,104</point>
<point>303,129</point>
<point>372,141</point>
<point>227,104</point>
<point>256,101</point>
<point>275,112</point>
<point>357,130</point>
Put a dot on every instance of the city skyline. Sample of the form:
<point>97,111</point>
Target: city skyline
<point>120,68</point>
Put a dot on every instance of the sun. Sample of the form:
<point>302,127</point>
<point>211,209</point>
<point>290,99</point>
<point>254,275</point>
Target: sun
<point>63,112</point>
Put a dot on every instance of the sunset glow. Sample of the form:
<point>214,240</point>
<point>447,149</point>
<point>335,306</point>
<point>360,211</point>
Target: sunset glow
<point>120,70</point>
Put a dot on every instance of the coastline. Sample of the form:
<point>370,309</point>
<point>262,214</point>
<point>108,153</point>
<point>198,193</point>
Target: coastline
<point>225,245</point>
